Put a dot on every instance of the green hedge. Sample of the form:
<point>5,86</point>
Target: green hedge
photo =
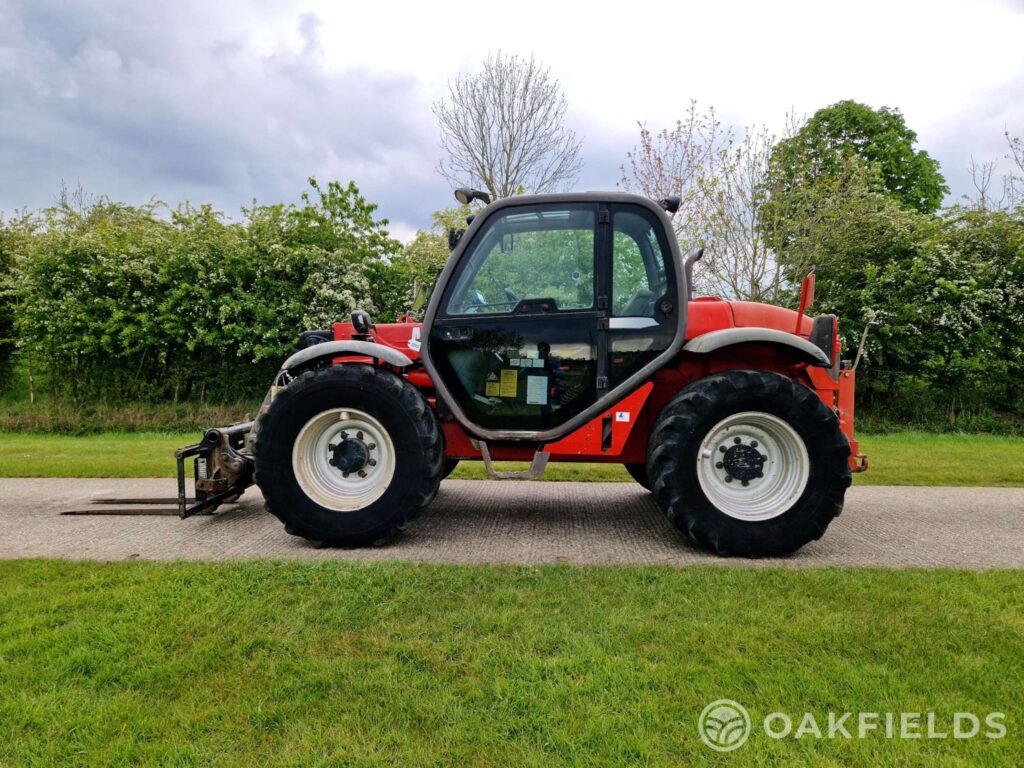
<point>110,303</point>
<point>115,302</point>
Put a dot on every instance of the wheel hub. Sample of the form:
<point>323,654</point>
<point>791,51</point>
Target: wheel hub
<point>744,462</point>
<point>343,459</point>
<point>349,455</point>
<point>752,466</point>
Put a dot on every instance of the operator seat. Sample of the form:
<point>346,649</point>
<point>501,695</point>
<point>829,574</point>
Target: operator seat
<point>640,304</point>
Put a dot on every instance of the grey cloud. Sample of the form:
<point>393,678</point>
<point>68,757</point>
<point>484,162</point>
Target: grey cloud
<point>136,102</point>
<point>180,101</point>
<point>977,130</point>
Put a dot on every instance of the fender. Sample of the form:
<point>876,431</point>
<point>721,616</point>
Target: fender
<point>725,337</point>
<point>347,349</point>
<point>328,350</point>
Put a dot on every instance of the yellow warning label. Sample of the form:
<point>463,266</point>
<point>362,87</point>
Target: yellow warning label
<point>509,382</point>
<point>492,389</point>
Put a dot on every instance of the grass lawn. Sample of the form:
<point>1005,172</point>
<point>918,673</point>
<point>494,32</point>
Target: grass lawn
<point>106,455</point>
<point>397,664</point>
<point>907,458</point>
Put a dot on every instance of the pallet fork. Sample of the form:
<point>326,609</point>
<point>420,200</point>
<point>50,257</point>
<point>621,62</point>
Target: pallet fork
<point>222,469</point>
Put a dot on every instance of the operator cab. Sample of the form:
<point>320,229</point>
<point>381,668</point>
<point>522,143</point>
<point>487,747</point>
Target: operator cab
<point>552,308</point>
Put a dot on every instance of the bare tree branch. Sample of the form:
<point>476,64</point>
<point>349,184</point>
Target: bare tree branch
<point>503,130</point>
<point>981,177</point>
<point>1013,183</point>
<point>671,162</point>
<point>722,183</point>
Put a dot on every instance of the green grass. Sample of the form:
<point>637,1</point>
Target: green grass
<point>905,458</point>
<point>398,665</point>
<point>107,455</point>
<point>901,458</point>
<point>51,414</point>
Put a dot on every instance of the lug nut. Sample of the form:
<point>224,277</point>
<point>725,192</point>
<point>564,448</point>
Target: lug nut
<point>371,446</point>
<point>331,447</point>
<point>737,440</point>
<point>331,462</point>
<point>345,474</point>
<point>728,478</point>
<point>371,462</point>
<point>746,483</point>
<point>764,456</point>
<point>359,435</point>
<point>362,473</point>
<point>753,443</point>
<point>759,474</point>
<point>722,448</point>
<point>719,465</point>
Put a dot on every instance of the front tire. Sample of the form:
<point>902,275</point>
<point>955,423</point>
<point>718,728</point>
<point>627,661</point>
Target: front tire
<point>348,455</point>
<point>749,463</point>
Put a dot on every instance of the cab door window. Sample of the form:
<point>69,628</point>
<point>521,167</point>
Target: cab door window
<point>535,256</point>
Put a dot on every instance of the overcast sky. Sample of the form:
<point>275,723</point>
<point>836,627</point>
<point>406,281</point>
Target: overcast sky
<point>229,101</point>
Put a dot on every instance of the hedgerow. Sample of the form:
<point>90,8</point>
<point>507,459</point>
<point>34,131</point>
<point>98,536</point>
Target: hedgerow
<point>106,303</point>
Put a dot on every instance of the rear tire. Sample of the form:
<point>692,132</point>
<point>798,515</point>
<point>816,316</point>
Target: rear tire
<point>749,463</point>
<point>351,417</point>
<point>639,473</point>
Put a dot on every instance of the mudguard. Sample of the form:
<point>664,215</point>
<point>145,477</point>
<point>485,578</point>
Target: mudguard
<point>725,337</point>
<point>347,348</point>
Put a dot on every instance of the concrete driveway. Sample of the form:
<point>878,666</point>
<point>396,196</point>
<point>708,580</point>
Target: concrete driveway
<point>518,522</point>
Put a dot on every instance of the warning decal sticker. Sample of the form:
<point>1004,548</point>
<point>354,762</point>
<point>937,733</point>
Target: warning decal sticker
<point>536,390</point>
<point>509,382</point>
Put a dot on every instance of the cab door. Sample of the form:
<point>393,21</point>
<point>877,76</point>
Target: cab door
<point>644,313</point>
<point>519,337</point>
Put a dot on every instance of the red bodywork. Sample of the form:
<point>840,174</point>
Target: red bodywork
<point>632,417</point>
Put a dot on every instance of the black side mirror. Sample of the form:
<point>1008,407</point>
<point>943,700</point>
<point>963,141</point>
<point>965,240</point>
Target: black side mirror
<point>361,321</point>
<point>454,236</point>
<point>670,204</point>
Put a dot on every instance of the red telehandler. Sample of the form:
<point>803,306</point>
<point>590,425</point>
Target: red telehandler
<point>562,328</point>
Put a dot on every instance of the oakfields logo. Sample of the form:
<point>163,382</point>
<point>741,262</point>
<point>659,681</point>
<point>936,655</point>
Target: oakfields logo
<point>724,725</point>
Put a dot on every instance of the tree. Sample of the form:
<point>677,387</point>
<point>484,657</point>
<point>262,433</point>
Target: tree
<point>503,129</point>
<point>116,302</point>
<point>740,262</point>
<point>842,223</point>
<point>1013,182</point>
<point>982,176</point>
<point>936,345</point>
<point>417,266</point>
<point>943,296</point>
<point>879,137</point>
<point>995,190</point>
<point>721,182</point>
<point>673,163</point>
<point>991,247</point>
<point>15,235</point>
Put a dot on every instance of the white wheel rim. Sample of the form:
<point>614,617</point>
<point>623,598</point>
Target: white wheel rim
<point>325,483</point>
<point>726,472</point>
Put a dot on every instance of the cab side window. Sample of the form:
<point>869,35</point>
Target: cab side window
<point>638,266</point>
